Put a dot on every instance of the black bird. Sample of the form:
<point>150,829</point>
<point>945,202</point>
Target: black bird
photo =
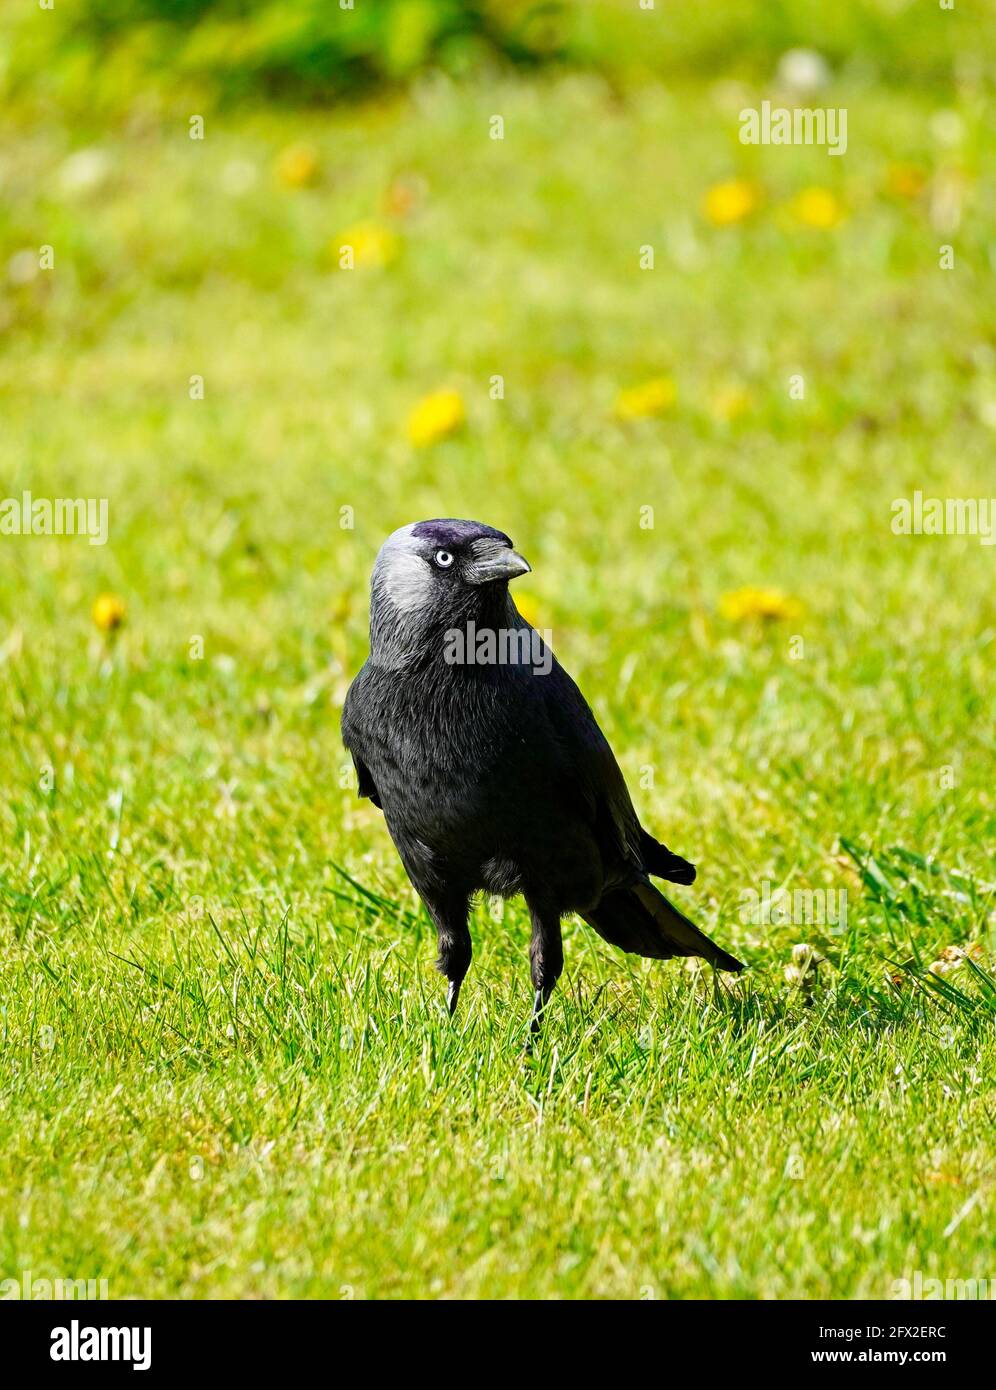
<point>493,774</point>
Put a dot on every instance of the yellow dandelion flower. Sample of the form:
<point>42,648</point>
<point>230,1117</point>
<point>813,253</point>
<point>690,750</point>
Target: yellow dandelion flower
<point>905,181</point>
<point>730,202</point>
<point>750,602</point>
<point>731,402</point>
<point>436,417</point>
<point>817,207</point>
<point>366,246</point>
<point>297,166</point>
<point>528,607</point>
<point>108,612</point>
<point>651,398</point>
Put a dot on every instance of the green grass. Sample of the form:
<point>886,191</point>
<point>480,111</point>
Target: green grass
<point>226,1065</point>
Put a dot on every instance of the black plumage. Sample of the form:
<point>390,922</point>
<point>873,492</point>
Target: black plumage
<point>494,776</point>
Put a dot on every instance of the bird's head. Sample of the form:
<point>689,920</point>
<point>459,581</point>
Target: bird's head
<point>430,576</point>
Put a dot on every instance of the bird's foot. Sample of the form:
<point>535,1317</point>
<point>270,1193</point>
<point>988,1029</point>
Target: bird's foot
<point>540,1001</point>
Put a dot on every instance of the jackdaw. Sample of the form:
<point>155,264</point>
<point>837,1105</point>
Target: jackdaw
<point>492,773</point>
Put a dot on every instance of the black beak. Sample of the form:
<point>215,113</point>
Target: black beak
<point>497,561</point>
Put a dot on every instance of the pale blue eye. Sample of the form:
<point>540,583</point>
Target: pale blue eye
<point>444,559</point>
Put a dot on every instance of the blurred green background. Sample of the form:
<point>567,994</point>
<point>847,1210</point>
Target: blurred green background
<point>102,51</point>
<point>274,1101</point>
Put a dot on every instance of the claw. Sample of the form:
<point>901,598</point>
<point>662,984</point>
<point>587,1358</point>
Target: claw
<point>540,1001</point>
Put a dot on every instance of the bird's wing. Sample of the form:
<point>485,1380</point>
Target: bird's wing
<point>631,914</point>
<point>352,737</point>
<point>602,784</point>
<point>593,767</point>
<point>366,786</point>
<point>663,862</point>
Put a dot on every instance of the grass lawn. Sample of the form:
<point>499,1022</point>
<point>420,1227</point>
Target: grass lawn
<point>226,1064</point>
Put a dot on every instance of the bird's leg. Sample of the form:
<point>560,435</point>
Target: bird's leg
<point>546,959</point>
<point>455,950</point>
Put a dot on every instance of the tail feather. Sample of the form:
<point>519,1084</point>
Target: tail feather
<point>640,920</point>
